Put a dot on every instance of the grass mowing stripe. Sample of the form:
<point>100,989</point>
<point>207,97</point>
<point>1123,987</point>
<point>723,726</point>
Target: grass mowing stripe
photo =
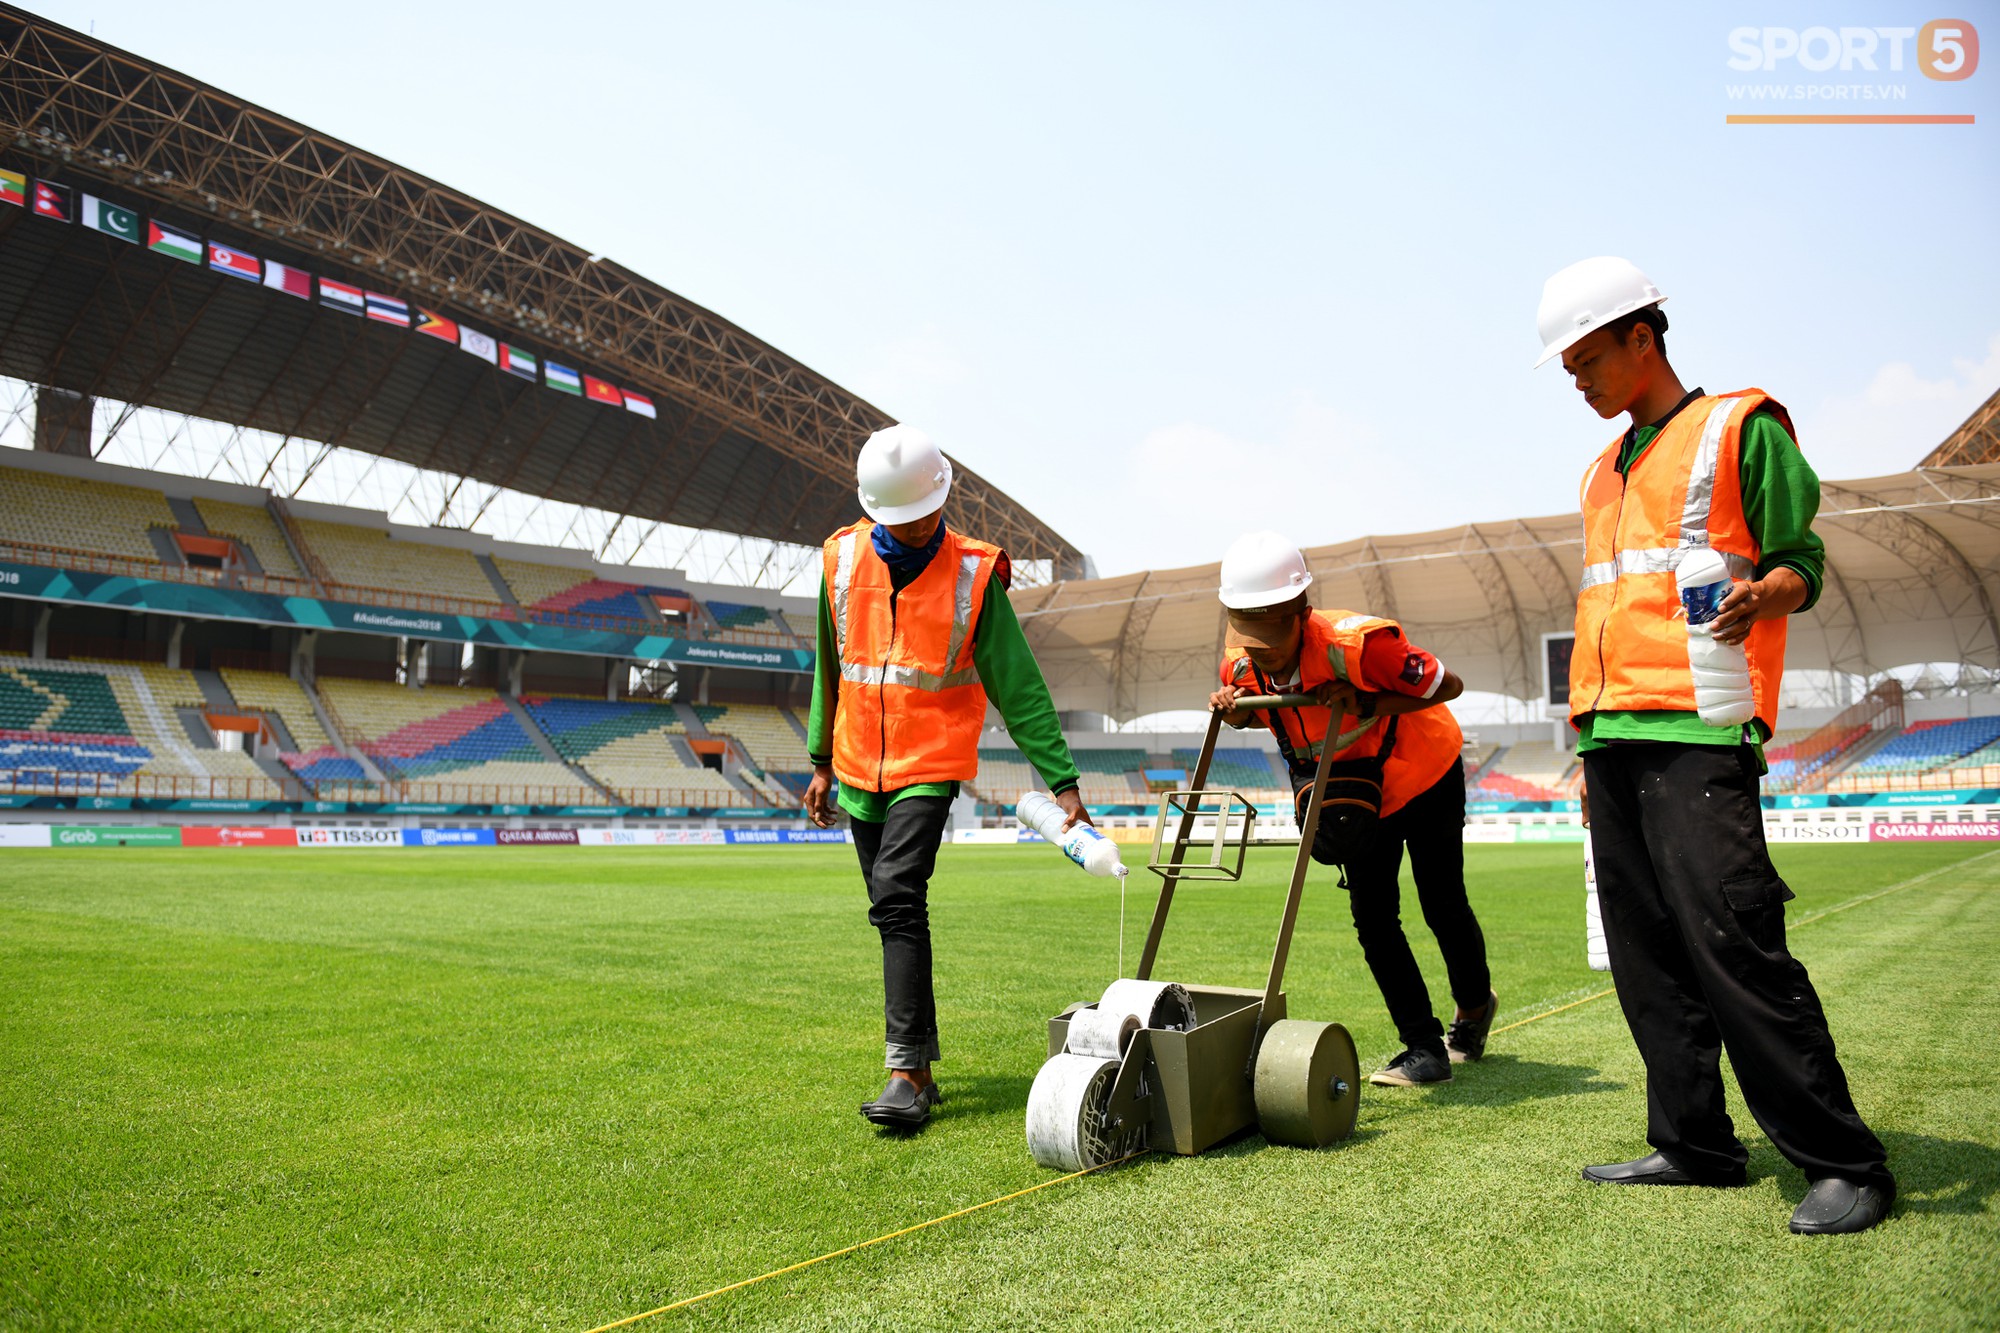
<point>629,1320</point>
<point>861,1245</point>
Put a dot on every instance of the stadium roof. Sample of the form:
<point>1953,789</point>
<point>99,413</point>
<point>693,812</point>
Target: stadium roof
<point>1913,575</point>
<point>746,439</point>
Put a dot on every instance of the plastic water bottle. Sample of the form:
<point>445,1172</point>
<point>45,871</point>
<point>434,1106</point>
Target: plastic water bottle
<point>1722,693</point>
<point>1596,951</point>
<point>1082,844</point>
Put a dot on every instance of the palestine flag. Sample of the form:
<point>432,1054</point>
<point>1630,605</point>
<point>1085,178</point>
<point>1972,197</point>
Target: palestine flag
<point>175,244</point>
<point>13,189</point>
<point>563,378</point>
<point>109,218</point>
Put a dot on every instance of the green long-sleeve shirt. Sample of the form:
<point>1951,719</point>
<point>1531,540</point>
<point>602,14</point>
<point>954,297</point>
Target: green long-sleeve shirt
<point>1780,501</point>
<point>1013,682</point>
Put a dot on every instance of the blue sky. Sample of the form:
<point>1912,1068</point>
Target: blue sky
<point>1167,272</point>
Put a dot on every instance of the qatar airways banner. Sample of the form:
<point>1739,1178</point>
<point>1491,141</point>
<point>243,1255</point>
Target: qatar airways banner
<point>1979,832</point>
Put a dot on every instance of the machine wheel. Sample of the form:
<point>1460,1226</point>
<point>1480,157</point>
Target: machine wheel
<point>1066,1123</point>
<point>1307,1084</point>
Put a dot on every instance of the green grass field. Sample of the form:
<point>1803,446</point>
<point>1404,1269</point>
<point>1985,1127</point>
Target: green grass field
<point>525,1089</point>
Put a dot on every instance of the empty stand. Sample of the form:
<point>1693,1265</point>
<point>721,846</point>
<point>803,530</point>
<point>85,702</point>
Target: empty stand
<point>631,747</point>
<point>1241,768</point>
<point>47,510</point>
<point>448,736</point>
<point>371,558</point>
<point>317,758</point>
<point>251,526</point>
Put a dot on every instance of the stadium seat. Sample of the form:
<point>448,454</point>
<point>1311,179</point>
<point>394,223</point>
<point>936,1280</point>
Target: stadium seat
<point>253,528</point>
<point>48,510</point>
<point>442,734</point>
<point>628,745</point>
<point>371,558</point>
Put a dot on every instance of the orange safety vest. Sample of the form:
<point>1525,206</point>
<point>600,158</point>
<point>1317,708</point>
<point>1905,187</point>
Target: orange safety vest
<point>1427,741</point>
<point>910,705</point>
<point>1685,492</point>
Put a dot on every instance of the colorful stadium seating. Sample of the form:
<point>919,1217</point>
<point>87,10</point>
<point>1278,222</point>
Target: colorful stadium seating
<point>63,723</point>
<point>447,735</point>
<point>1925,746</point>
<point>1241,768</point>
<point>317,759</point>
<point>743,616</point>
<point>767,736</point>
<point>627,745</point>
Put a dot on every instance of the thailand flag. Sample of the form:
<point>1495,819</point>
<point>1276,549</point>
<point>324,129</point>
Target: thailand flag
<point>640,403</point>
<point>291,281</point>
<point>341,296</point>
<point>389,310</point>
<point>235,263</point>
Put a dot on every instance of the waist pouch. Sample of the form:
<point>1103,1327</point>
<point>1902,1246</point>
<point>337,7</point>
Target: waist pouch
<point>1349,808</point>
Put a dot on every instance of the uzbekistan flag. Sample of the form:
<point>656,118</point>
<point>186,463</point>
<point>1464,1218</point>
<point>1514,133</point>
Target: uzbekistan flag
<point>51,201</point>
<point>436,325</point>
<point>562,377</point>
<point>107,217</point>
<point>640,403</point>
<point>601,391</point>
<point>177,244</point>
<point>340,296</point>
<point>388,310</point>
<point>517,362</point>
<point>13,189</point>
<point>291,281</point>
<point>236,263</point>
<point>478,344</point>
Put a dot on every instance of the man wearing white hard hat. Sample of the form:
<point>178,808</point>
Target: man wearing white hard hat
<point>1673,697</point>
<point>1396,782</point>
<point>916,636</point>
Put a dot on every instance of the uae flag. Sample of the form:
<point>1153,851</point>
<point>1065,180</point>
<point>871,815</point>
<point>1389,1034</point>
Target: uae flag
<point>601,391</point>
<point>562,377</point>
<point>51,201</point>
<point>176,244</point>
<point>479,344</point>
<point>388,310</point>
<point>13,189</point>
<point>109,218</point>
<point>640,403</point>
<point>291,281</point>
<point>236,263</point>
<point>517,362</point>
<point>429,321</point>
<point>339,296</point>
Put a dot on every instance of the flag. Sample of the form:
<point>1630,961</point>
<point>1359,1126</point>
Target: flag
<point>236,263</point>
<point>13,189</point>
<point>339,296</point>
<point>601,391</point>
<point>517,362</point>
<point>109,218</point>
<point>429,321</point>
<point>640,403</point>
<point>388,310</point>
<point>479,344</point>
<point>177,244</point>
<point>291,281</point>
<point>562,377</point>
<point>52,201</point>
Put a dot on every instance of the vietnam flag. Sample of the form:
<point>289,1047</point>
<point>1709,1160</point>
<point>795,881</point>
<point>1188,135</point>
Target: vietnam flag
<point>602,391</point>
<point>429,321</point>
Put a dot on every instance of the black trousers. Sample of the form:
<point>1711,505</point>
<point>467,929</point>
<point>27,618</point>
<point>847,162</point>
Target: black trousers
<point>1432,826</point>
<point>1694,915</point>
<point>897,858</point>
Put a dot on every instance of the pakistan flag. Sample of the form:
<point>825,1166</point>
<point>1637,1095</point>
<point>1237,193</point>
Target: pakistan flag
<point>110,219</point>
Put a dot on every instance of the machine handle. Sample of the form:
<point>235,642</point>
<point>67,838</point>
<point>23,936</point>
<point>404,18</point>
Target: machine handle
<point>1276,701</point>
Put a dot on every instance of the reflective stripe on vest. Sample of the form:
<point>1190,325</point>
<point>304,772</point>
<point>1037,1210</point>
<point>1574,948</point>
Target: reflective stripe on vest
<point>1694,515</point>
<point>884,673</point>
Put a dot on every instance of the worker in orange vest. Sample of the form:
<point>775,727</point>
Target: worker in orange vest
<point>1397,747</point>
<point>916,636</point>
<point>1693,909</point>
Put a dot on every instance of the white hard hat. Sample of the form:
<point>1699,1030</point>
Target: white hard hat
<point>1588,295</point>
<point>902,474</point>
<point>1262,569</point>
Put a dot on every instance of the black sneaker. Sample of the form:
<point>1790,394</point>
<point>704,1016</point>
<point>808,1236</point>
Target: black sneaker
<point>1467,1038</point>
<point>902,1104</point>
<point>1413,1068</point>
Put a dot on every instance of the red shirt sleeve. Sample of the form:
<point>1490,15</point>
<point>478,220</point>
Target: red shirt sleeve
<point>1391,664</point>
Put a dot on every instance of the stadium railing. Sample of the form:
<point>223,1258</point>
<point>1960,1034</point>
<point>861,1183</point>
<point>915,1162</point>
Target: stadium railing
<point>150,786</point>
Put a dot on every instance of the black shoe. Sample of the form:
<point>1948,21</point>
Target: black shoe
<point>1467,1038</point>
<point>1417,1066</point>
<point>902,1104</point>
<point>1653,1169</point>
<point>1836,1207</point>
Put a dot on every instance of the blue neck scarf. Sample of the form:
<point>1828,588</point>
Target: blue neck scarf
<point>906,562</point>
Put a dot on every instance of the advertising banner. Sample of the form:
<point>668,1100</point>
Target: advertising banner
<point>113,835</point>
<point>239,837</point>
<point>535,837</point>
<point>24,835</point>
<point>448,837</point>
<point>220,603</point>
<point>652,837</point>
<point>1980,832</point>
<point>350,837</point>
<point>1827,832</point>
<point>767,836</point>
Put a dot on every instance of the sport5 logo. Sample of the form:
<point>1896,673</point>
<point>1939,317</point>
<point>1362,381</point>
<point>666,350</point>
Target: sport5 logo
<point>1947,49</point>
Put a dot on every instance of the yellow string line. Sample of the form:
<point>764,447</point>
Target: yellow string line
<point>835,1254</point>
<point>1075,1175</point>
